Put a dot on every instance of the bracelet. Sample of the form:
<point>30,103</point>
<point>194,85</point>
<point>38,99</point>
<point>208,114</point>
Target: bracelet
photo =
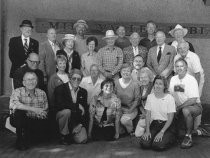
<point>162,131</point>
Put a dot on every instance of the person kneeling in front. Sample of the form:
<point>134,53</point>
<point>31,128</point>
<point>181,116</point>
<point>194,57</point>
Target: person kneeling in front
<point>72,109</point>
<point>29,109</point>
<point>160,108</point>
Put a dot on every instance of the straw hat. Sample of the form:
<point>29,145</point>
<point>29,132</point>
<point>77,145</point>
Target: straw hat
<point>110,34</point>
<point>80,22</point>
<point>178,27</point>
<point>69,36</point>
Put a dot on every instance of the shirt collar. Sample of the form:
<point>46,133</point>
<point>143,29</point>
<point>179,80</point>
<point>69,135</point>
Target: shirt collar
<point>22,37</point>
<point>35,92</point>
<point>162,47</point>
<point>71,88</point>
<point>51,43</point>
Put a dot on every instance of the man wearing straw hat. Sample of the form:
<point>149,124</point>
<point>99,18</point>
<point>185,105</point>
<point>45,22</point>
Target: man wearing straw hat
<point>80,41</point>
<point>179,33</point>
<point>110,57</point>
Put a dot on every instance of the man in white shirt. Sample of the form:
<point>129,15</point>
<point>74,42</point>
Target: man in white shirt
<point>184,88</point>
<point>194,68</point>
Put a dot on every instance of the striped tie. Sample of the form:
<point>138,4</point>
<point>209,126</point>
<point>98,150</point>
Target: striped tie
<point>26,46</point>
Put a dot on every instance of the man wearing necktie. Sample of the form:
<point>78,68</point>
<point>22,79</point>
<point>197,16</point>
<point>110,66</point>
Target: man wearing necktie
<point>47,54</point>
<point>160,58</point>
<point>21,46</point>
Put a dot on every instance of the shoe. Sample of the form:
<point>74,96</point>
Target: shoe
<point>64,140</point>
<point>187,142</point>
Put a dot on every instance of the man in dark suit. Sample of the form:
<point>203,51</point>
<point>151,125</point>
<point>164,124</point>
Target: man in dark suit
<point>21,46</point>
<point>71,105</point>
<point>160,58</point>
<point>47,54</point>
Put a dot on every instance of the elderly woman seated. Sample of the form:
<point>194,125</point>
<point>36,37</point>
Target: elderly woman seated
<point>128,92</point>
<point>105,112</point>
<point>160,108</point>
<point>146,79</point>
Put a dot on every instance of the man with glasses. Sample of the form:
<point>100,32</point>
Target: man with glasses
<point>71,107</point>
<point>29,107</point>
<point>32,64</point>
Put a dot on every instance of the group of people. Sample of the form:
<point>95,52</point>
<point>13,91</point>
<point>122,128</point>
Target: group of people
<point>142,87</point>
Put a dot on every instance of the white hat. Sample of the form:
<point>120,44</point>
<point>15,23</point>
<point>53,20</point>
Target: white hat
<point>110,34</point>
<point>69,36</point>
<point>178,27</point>
<point>81,22</point>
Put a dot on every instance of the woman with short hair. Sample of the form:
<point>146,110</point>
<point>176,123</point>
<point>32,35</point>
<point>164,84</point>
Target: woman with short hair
<point>105,112</point>
<point>128,92</point>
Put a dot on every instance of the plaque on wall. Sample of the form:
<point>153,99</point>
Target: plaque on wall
<point>100,27</point>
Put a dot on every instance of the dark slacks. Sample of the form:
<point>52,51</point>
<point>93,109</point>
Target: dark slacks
<point>103,133</point>
<point>29,129</point>
<point>167,140</point>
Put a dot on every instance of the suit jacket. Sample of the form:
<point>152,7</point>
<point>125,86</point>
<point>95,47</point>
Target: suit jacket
<point>47,59</point>
<point>76,61</point>
<point>63,98</point>
<point>165,65</point>
<point>17,53</point>
<point>128,55</point>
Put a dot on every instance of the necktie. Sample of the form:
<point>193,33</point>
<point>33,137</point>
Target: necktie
<point>159,54</point>
<point>26,46</point>
<point>104,116</point>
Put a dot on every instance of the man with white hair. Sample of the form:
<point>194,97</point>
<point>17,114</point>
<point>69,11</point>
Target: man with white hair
<point>161,57</point>
<point>133,50</point>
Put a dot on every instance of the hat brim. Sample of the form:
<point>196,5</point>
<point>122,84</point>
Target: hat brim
<point>26,25</point>
<point>106,37</point>
<point>68,39</point>
<point>76,24</point>
<point>183,29</point>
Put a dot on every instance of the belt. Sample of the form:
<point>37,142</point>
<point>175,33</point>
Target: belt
<point>159,121</point>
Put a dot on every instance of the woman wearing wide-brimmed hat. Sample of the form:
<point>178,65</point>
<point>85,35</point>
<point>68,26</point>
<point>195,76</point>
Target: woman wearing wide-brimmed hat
<point>110,57</point>
<point>179,33</point>
<point>73,58</point>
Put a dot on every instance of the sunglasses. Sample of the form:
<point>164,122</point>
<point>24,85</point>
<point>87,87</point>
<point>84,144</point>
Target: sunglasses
<point>34,62</point>
<point>76,79</point>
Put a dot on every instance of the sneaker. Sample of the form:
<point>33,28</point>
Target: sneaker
<point>187,142</point>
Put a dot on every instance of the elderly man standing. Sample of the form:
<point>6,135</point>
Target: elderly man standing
<point>184,89</point>
<point>194,68</point>
<point>179,33</point>
<point>161,57</point>
<point>29,107</point>
<point>32,64</point>
<point>122,41</point>
<point>110,57</point>
<point>80,40</point>
<point>21,46</point>
<point>47,54</point>
<point>149,41</point>
<point>133,50</point>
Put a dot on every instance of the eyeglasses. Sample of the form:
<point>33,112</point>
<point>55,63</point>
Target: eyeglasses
<point>30,79</point>
<point>76,79</point>
<point>34,62</point>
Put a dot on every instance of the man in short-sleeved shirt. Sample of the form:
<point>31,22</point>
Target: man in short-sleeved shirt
<point>184,88</point>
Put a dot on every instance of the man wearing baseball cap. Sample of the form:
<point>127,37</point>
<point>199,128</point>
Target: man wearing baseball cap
<point>21,46</point>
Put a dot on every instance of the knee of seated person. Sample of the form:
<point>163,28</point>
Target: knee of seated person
<point>186,111</point>
<point>124,120</point>
<point>66,112</point>
<point>159,146</point>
